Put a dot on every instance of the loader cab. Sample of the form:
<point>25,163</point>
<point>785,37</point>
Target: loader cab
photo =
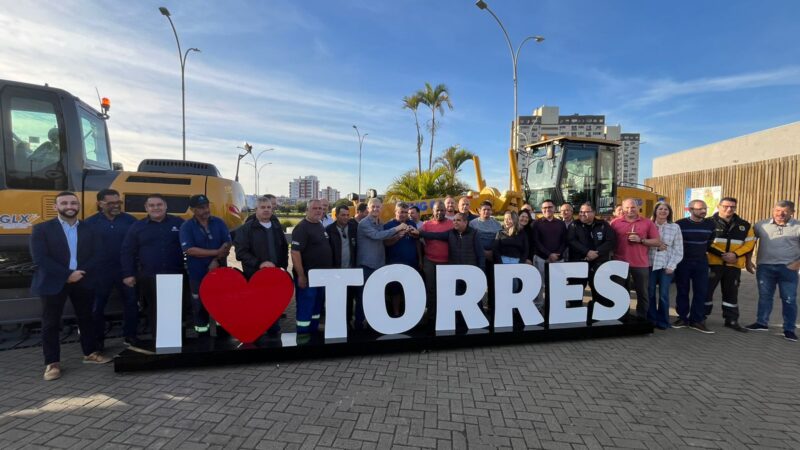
<point>49,139</point>
<point>570,170</point>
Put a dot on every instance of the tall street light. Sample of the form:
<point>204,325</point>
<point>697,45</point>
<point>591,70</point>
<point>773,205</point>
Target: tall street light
<point>360,144</point>
<point>514,58</point>
<point>258,175</point>
<point>182,58</point>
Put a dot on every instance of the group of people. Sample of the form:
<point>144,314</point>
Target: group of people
<point>700,253</point>
<point>86,260</point>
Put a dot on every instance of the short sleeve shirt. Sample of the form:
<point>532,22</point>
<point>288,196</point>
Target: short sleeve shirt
<point>311,240</point>
<point>634,254</point>
<point>193,234</point>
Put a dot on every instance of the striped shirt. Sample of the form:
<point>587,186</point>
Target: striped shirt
<point>670,234</point>
<point>697,238</point>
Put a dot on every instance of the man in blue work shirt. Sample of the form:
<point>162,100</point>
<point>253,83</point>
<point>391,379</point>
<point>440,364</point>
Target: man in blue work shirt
<point>111,225</point>
<point>400,249</point>
<point>206,241</point>
<point>152,247</point>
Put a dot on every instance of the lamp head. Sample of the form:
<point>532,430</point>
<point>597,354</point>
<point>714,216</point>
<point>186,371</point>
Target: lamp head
<point>164,10</point>
<point>538,38</point>
<point>481,4</point>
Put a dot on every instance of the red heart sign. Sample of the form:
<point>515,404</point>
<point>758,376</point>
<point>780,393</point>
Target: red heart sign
<point>246,309</point>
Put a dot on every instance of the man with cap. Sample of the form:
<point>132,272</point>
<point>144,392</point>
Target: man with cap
<point>152,247</point>
<point>206,241</point>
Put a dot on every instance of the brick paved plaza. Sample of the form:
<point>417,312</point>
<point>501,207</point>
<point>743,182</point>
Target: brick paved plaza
<point>673,389</point>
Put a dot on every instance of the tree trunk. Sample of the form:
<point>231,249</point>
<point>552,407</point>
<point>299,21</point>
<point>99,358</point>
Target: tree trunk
<point>433,132</point>
<point>419,144</point>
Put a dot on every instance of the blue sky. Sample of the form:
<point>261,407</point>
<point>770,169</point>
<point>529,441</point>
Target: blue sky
<point>296,75</point>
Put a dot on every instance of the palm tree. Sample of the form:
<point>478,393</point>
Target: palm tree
<point>412,102</point>
<point>435,99</point>
<point>416,185</point>
<point>452,159</point>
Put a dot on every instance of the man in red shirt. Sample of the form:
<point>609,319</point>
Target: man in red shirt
<point>436,252</point>
<point>635,235</point>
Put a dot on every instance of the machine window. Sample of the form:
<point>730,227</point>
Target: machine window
<point>35,160</point>
<point>93,131</point>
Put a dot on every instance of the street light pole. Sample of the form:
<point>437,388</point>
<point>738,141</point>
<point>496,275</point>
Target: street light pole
<point>360,144</point>
<point>182,58</point>
<point>258,176</point>
<point>514,58</point>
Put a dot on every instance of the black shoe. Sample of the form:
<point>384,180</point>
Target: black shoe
<point>790,336</point>
<point>755,326</point>
<point>701,327</point>
<point>679,324</point>
<point>735,327</point>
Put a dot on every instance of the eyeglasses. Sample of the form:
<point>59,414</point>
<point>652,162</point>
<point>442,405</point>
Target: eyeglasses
<point>583,213</point>
<point>727,206</point>
<point>699,209</point>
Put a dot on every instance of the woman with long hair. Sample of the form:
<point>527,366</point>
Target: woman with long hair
<point>511,243</point>
<point>663,261</point>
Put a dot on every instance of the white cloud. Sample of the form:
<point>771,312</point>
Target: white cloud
<point>67,46</point>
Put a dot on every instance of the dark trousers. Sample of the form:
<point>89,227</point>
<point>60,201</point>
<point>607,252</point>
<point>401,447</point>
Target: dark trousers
<point>52,311</point>
<point>429,269</point>
<point>199,313</point>
<point>640,279</point>
<point>130,311</point>
<point>691,274</point>
<point>728,277</point>
<point>147,292</point>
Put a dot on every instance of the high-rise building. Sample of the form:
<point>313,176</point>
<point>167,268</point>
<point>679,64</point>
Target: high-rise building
<point>547,122</point>
<point>304,188</point>
<point>329,193</point>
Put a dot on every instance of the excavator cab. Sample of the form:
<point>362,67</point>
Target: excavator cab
<point>570,170</point>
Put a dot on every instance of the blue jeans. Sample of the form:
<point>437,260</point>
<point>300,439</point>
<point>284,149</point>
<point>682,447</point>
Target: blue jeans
<point>309,306</point>
<point>692,273</point>
<point>199,313</point>
<point>130,311</point>
<point>658,312</point>
<point>768,276</point>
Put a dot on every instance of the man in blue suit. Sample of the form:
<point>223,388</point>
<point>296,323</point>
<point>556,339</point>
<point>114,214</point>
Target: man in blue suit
<point>65,254</point>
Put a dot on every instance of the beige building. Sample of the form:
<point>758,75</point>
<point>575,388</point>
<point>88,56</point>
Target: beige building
<point>767,144</point>
<point>758,169</point>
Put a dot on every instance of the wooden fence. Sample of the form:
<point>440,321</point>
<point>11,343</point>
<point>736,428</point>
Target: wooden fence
<point>756,186</point>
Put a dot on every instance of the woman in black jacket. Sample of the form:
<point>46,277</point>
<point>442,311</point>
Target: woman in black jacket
<point>511,244</point>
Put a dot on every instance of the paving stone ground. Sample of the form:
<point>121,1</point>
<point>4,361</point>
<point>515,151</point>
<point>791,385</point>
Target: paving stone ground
<point>672,389</point>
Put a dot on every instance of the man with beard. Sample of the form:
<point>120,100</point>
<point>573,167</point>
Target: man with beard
<point>449,208</point>
<point>692,271</point>
<point>111,225</point>
<point>590,240</point>
<point>734,240</point>
<point>206,241</point>
<point>66,254</point>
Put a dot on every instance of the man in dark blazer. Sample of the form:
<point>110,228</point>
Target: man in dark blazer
<point>66,255</point>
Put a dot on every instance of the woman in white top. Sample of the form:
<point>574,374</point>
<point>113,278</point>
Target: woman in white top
<point>663,261</point>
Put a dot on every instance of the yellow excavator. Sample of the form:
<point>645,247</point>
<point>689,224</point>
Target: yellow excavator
<point>564,169</point>
<point>52,142</point>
